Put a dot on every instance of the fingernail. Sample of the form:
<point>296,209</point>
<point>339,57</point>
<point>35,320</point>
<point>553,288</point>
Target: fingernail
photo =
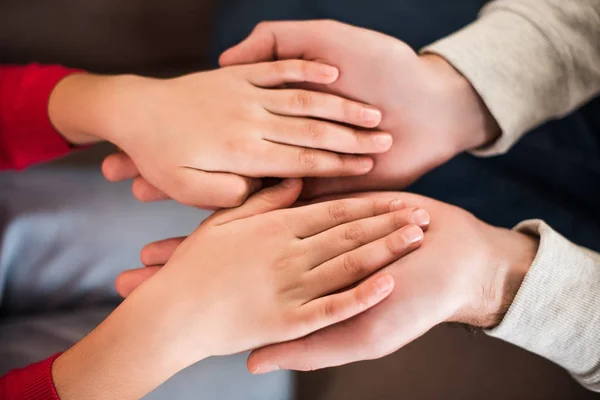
<point>384,284</point>
<point>383,140</point>
<point>329,71</point>
<point>396,205</point>
<point>366,163</point>
<point>265,369</point>
<point>412,234</point>
<point>421,217</point>
<point>370,115</point>
<point>288,183</point>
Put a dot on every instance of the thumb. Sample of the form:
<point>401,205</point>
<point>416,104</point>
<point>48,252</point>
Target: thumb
<point>282,195</point>
<point>258,47</point>
<point>270,41</point>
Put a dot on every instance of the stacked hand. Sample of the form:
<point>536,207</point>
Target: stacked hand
<point>203,139</point>
<point>430,109</point>
<point>247,277</point>
<point>465,271</point>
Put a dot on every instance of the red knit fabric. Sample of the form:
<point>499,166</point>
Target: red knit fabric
<point>33,382</point>
<point>26,134</point>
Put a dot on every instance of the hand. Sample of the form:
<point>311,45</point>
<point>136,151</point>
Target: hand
<point>466,271</point>
<point>201,138</point>
<point>430,109</point>
<point>247,277</point>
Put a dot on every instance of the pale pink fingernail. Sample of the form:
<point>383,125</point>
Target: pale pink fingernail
<point>412,234</point>
<point>421,217</point>
<point>384,284</point>
<point>366,163</point>
<point>396,205</point>
<point>370,115</point>
<point>382,140</point>
<point>328,71</point>
<point>265,369</point>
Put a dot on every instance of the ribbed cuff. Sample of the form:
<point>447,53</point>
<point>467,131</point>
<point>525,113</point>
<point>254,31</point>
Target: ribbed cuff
<point>33,382</point>
<point>556,312</point>
<point>32,138</point>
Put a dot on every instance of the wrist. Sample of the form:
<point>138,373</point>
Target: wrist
<point>88,109</point>
<point>471,123</point>
<point>513,254</point>
<point>134,350</point>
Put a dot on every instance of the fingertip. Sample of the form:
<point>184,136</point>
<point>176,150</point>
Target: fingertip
<point>364,165</point>
<point>384,285</point>
<point>292,183</point>
<point>108,170</point>
<point>370,117</point>
<point>122,285</point>
<point>146,254</point>
<point>412,235</point>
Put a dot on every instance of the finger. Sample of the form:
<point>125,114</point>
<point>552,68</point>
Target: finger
<point>273,198</point>
<point>329,310</point>
<point>298,162</point>
<point>329,347</point>
<point>305,103</point>
<point>354,266</point>
<point>272,41</point>
<point>130,280</point>
<point>277,73</point>
<point>316,218</point>
<point>119,167</point>
<point>349,236</point>
<point>324,135</point>
<point>318,187</point>
<point>211,189</point>
<point>158,253</point>
<point>146,192</point>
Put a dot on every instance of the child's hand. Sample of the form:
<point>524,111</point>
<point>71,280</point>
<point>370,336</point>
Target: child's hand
<point>245,280</point>
<point>201,138</point>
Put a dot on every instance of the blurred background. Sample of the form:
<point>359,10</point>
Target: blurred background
<point>167,38</point>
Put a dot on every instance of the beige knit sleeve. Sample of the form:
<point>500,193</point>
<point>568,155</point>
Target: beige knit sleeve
<point>556,312</point>
<point>529,60</point>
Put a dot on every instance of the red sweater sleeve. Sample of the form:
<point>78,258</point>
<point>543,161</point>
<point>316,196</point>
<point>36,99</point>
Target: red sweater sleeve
<point>30,383</point>
<point>26,134</point>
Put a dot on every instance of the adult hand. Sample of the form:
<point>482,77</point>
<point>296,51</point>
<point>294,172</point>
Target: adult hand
<point>204,139</point>
<point>430,109</point>
<point>465,271</point>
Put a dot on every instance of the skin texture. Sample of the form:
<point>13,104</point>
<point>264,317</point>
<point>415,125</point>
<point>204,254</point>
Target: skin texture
<point>204,139</point>
<point>309,274</point>
<point>430,109</point>
<point>474,283</point>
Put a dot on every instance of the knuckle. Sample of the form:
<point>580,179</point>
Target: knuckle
<point>350,111</point>
<point>354,233</point>
<point>338,211</point>
<point>374,207</point>
<point>262,26</point>
<point>302,99</point>
<point>279,67</point>
<point>395,244</point>
<point>307,158</point>
<point>353,267</point>
<point>315,130</point>
<point>399,219</point>
<point>328,310</point>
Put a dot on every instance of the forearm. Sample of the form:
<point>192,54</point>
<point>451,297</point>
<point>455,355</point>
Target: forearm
<point>556,310</point>
<point>530,61</point>
<point>138,347</point>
